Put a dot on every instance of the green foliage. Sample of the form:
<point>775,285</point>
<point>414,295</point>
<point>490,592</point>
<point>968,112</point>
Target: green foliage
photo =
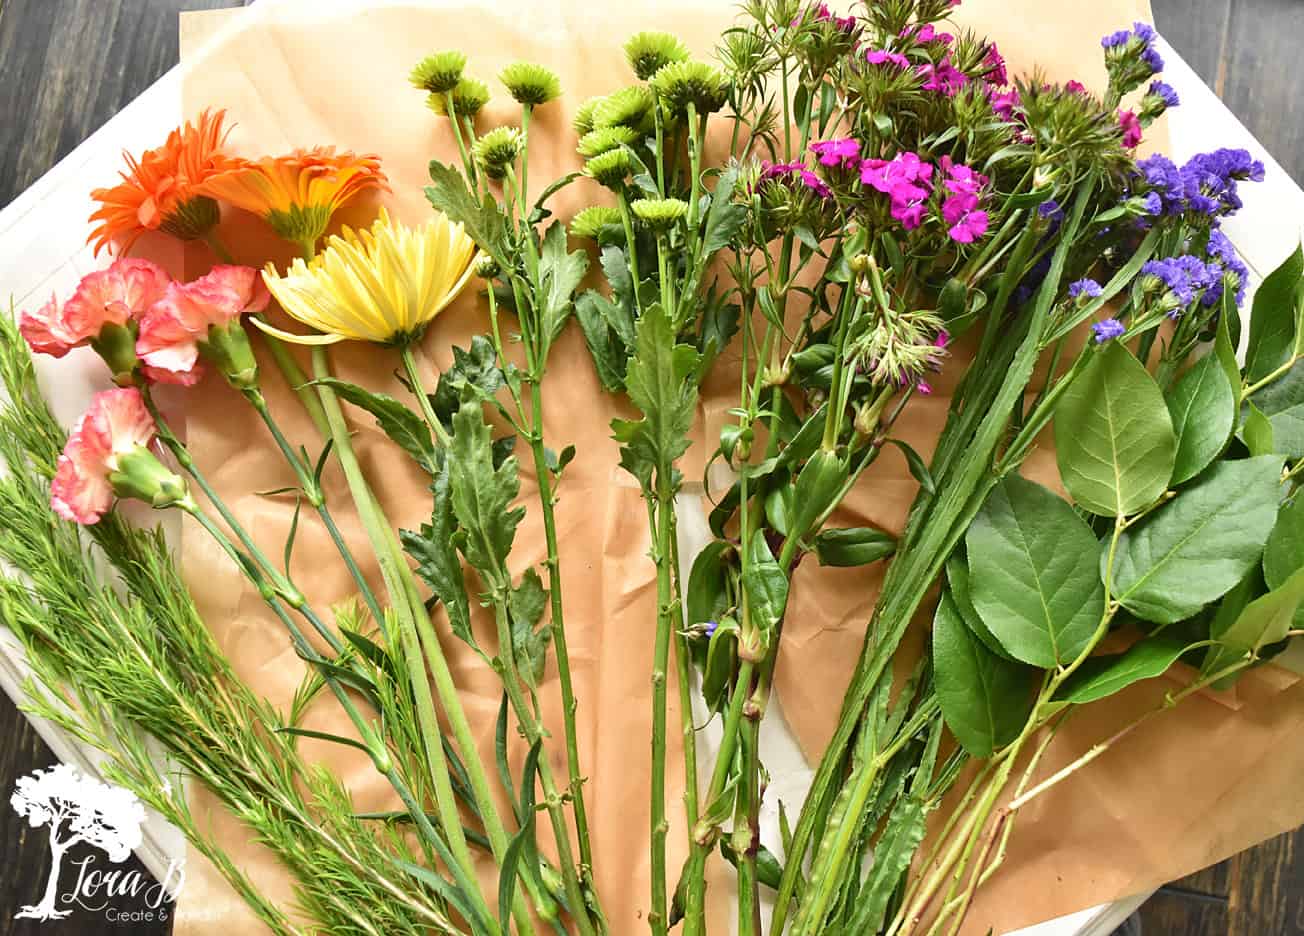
<point>434,548</point>
<point>1102,676</point>
<point>483,220</point>
<point>404,427</point>
<point>1203,409</point>
<point>481,495</point>
<point>1263,621</point>
<point>1273,319</point>
<point>661,382</point>
<point>1197,547</point>
<point>985,699</point>
<point>560,273</point>
<point>855,546</point>
<point>766,588</point>
<point>526,605</point>
<point>1114,437</point>
<point>1035,574</point>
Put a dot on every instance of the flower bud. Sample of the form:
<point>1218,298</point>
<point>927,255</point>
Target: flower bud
<point>498,149</point>
<point>227,347</point>
<point>660,214</point>
<point>438,73</point>
<point>648,52</point>
<point>141,476</point>
<point>530,84</point>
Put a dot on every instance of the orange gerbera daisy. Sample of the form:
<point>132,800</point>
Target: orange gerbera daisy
<point>158,190</point>
<point>297,194</point>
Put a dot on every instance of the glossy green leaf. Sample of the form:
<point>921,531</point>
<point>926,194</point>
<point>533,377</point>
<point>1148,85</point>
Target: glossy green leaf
<point>1288,431</point>
<point>1203,409</point>
<point>985,699</point>
<point>1284,554</point>
<point>854,546</point>
<point>1265,620</point>
<point>708,593</point>
<point>1103,676</point>
<point>819,485</point>
<point>1272,320</point>
<point>1034,573</point>
<point>1196,547</point>
<point>765,585</point>
<point>1114,438</point>
<point>918,467</point>
<point>957,577</point>
<point>1257,431</point>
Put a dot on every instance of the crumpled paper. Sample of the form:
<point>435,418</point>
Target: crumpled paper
<point>1188,789</point>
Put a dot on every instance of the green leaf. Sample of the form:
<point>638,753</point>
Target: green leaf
<point>957,577</point>
<point>1288,431</point>
<point>474,370</point>
<point>1224,347</point>
<point>1196,547</point>
<point>483,220</point>
<point>1114,438</point>
<point>1103,676</point>
<point>724,219</point>
<point>1257,431</point>
<point>560,274</point>
<point>766,587</point>
<point>482,495</point>
<point>434,548</point>
<point>1203,409</point>
<point>408,430</point>
<point>527,603</point>
<point>708,592</point>
<point>721,664</point>
<point>985,699</point>
<point>892,856</point>
<point>594,313</point>
<point>1272,320</point>
<point>661,383</point>
<point>1264,621</point>
<point>918,468</point>
<point>1283,556</point>
<point>1034,573</point>
<point>323,736</point>
<point>819,486</point>
<point>855,546</point>
<point>522,842</point>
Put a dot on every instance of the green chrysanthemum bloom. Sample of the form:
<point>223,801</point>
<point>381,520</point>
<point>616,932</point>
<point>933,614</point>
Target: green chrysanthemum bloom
<point>629,107</point>
<point>497,150</point>
<point>597,142</point>
<point>610,168</point>
<point>470,95</point>
<point>486,267</point>
<point>682,83</point>
<point>582,122</point>
<point>649,51</point>
<point>659,213</point>
<point>591,221</point>
<point>530,84</point>
<point>438,73</point>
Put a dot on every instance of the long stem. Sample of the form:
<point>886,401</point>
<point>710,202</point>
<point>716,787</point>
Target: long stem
<point>668,620</point>
<point>423,400</point>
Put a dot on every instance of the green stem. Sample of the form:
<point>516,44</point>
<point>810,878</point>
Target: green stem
<point>623,203</point>
<point>467,161</point>
<point>667,616</point>
<point>423,399</point>
<point>746,834</point>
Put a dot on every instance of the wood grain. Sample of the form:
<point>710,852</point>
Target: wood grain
<point>66,66</point>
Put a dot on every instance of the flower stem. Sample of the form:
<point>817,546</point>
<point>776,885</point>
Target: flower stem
<point>623,204</point>
<point>668,621</point>
<point>423,400</point>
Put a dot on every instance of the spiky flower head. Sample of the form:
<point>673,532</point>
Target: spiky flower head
<point>530,84</point>
<point>610,168</point>
<point>470,95</point>
<point>682,83</point>
<point>438,73</point>
<point>486,267</point>
<point>594,221</point>
<point>659,214</point>
<point>899,351</point>
<point>498,149</point>
<point>649,51</point>
<point>597,142</point>
<point>629,107</point>
<point>582,122</point>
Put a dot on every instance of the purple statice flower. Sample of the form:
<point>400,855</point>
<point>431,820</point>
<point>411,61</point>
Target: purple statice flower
<point>967,222</point>
<point>1210,180</point>
<point>1165,93</point>
<point>1223,257</point>
<point>1129,123</point>
<point>995,62</point>
<point>1183,277</point>
<point>1108,329</point>
<point>1050,209</point>
<point>1151,203</point>
<point>943,77</point>
<point>1131,58</point>
<point>1004,102</point>
<point>709,631</point>
<point>884,57</point>
<point>1116,39</point>
<point>1086,287</point>
<point>842,153</point>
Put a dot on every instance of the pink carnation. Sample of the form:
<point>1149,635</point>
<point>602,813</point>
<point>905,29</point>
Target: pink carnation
<point>116,423</point>
<point>170,332</point>
<point>995,62</point>
<point>113,296</point>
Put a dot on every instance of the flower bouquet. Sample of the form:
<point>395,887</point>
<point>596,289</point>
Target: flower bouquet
<point>810,227</point>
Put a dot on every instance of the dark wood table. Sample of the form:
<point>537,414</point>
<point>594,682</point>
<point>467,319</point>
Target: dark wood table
<point>66,66</point>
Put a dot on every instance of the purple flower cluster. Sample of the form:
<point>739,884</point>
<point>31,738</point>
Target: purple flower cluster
<point>995,62</point>
<point>795,173</point>
<point>1165,93</point>
<point>1140,39</point>
<point>1185,278</point>
<point>823,14</point>
<point>1087,288</point>
<point>1108,329</point>
<point>1222,255</point>
<point>943,77</point>
<point>926,33</point>
<point>1004,102</point>
<point>884,57</point>
<point>1206,185</point>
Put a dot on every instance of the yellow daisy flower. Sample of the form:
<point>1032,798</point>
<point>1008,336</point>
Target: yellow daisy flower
<point>382,285</point>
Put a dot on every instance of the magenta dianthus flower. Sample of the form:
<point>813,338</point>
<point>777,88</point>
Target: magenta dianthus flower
<point>884,57</point>
<point>843,153</point>
<point>1131,127</point>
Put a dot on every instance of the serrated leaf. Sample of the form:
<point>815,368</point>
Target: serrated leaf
<point>404,427</point>
<point>1103,676</point>
<point>661,382</point>
<point>1035,575</point>
<point>1202,406</point>
<point>892,856</point>
<point>595,312</point>
<point>527,603</point>
<point>482,494</point>
<point>474,369</point>
<point>1114,438</point>
<point>1199,545</point>
<point>435,551</point>
<point>724,219</point>
<point>483,220</point>
<point>985,699</point>
<point>1272,319</point>
<point>560,274</point>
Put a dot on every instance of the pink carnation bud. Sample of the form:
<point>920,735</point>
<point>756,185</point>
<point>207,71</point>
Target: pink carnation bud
<point>171,330</point>
<point>1131,127</point>
<point>113,296</point>
<point>116,424</point>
